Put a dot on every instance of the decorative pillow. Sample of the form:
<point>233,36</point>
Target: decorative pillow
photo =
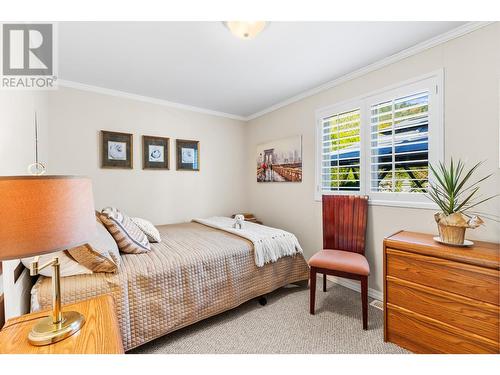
<point>100,254</point>
<point>68,267</point>
<point>129,238</point>
<point>148,228</point>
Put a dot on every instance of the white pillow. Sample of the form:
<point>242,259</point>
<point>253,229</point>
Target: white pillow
<point>68,266</point>
<point>148,229</point>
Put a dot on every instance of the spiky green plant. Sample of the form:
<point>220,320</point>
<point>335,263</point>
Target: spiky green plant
<point>453,190</point>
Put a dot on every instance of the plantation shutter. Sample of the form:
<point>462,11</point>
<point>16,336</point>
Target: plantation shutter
<point>340,152</point>
<point>399,149</point>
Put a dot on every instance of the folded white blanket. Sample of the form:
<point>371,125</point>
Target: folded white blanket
<point>269,244</point>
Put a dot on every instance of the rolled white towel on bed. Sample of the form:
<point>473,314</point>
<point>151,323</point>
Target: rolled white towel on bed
<point>269,244</point>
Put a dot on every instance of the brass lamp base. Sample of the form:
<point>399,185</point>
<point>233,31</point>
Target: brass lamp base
<point>45,332</point>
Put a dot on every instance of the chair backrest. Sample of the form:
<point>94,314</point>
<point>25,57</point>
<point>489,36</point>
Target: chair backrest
<point>344,222</point>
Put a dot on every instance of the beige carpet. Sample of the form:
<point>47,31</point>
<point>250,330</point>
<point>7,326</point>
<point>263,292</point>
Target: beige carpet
<point>284,325</point>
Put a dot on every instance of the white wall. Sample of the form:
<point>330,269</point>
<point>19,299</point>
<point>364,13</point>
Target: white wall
<point>16,153</point>
<point>162,196</point>
<point>472,72</point>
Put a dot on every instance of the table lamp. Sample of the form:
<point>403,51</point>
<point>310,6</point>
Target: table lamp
<point>40,215</point>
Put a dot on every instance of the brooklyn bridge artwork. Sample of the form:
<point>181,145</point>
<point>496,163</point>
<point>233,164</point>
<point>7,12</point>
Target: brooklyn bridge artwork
<point>280,160</point>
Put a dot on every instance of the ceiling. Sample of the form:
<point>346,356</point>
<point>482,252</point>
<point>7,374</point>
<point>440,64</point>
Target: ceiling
<point>202,64</point>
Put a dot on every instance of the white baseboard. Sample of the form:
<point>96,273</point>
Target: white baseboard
<point>355,285</point>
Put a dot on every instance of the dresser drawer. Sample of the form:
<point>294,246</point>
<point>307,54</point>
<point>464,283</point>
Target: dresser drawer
<point>470,315</point>
<point>422,335</point>
<point>464,279</point>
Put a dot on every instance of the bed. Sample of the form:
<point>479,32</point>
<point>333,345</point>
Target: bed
<point>196,272</point>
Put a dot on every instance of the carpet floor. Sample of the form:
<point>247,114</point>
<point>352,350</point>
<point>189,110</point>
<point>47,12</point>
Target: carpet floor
<point>284,325</point>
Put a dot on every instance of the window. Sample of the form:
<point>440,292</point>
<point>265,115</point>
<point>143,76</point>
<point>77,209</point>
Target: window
<point>340,169</point>
<point>400,144</point>
<point>381,144</point>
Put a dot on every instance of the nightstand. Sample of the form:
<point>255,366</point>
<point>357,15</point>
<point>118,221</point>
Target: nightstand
<point>99,335</point>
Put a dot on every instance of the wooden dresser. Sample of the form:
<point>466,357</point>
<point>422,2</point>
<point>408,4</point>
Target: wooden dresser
<point>441,299</point>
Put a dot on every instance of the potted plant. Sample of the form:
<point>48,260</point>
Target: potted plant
<point>455,194</point>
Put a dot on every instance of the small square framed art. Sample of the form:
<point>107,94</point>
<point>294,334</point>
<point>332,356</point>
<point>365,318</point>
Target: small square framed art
<point>155,152</point>
<point>188,155</point>
<point>116,150</point>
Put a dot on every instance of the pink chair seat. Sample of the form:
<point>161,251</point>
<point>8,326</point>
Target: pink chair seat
<point>338,260</point>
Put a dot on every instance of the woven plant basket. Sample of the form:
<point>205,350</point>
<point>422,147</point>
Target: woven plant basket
<point>452,234</point>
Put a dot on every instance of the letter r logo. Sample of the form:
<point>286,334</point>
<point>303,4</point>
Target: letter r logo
<point>27,49</point>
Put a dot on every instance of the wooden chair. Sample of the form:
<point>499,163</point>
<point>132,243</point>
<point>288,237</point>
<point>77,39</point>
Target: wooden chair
<point>344,232</point>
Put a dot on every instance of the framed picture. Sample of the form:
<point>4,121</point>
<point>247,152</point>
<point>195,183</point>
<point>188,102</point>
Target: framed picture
<point>188,155</point>
<point>155,152</point>
<point>116,150</point>
<point>280,160</point>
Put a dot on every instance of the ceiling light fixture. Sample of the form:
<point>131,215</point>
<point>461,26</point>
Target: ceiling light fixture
<point>245,30</point>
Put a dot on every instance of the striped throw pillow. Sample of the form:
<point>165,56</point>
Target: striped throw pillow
<point>128,236</point>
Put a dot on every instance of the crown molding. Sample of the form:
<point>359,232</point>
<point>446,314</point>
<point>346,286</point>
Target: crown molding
<point>146,99</point>
<point>420,47</point>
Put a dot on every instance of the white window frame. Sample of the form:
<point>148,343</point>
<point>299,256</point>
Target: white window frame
<point>346,106</point>
<point>434,83</point>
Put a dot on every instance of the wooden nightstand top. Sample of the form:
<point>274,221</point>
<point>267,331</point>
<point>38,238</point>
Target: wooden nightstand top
<point>99,335</point>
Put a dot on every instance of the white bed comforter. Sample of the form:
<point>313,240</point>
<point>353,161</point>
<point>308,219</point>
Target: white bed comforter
<point>269,244</point>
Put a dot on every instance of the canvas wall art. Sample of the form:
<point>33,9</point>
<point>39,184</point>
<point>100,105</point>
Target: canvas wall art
<point>116,150</point>
<point>280,160</point>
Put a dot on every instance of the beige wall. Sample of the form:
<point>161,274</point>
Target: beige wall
<point>17,132</point>
<point>472,72</point>
<point>76,118</point>
<point>16,153</point>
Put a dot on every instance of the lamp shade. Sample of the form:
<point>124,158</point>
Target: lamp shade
<point>43,214</point>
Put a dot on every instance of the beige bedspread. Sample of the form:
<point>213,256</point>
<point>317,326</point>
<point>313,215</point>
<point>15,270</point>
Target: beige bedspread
<point>194,273</point>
